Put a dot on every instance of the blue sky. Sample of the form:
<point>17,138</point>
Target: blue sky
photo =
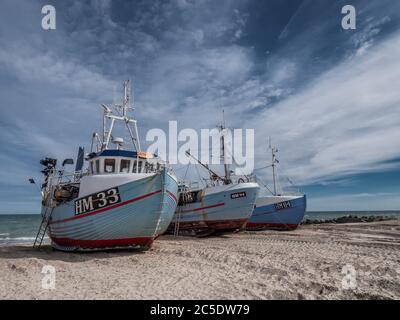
<point>330,98</point>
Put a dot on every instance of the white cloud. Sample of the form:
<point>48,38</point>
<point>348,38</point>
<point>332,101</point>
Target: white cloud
<point>364,38</point>
<point>29,65</point>
<point>346,121</point>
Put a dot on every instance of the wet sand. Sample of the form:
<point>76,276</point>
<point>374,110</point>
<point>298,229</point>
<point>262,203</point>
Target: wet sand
<point>303,264</point>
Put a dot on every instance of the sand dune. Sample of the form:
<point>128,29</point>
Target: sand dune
<point>302,264</point>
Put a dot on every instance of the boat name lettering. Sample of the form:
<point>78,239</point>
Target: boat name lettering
<point>283,205</point>
<point>97,201</point>
<point>238,195</point>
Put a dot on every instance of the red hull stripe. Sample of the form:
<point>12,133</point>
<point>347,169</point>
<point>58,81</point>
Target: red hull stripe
<point>108,208</point>
<point>217,225</point>
<point>203,208</point>
<point>144,241</point>
<point>251,225</point>
<point>172,195</point>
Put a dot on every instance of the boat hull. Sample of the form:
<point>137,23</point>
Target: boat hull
<point>278,213</point>
<point>145,209</point>
<point>220,210</point>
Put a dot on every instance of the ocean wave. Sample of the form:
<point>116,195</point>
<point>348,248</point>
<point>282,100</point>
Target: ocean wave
<point>19,239</point>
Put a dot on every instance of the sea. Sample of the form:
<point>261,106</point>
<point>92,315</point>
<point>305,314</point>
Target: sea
<point>22,228</point>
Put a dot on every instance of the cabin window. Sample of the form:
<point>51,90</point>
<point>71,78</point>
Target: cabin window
<point>140,166</point>
<point>134,166</point>
<point>125,166</point>
<point>149,167</point>
<point>109,165</point>
<point>91,167</point>
<point>97,166</point>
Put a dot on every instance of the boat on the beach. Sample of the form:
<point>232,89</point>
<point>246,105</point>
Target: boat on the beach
<point>124,198</point>
<point>277,211</point>
<point>224,205</point>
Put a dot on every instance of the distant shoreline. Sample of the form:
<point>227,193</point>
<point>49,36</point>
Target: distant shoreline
<point>347,212</point>
<point>349,219</point>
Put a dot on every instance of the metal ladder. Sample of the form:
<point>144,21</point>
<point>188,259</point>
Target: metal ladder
<point>177,222</point>
<point>43,228</point>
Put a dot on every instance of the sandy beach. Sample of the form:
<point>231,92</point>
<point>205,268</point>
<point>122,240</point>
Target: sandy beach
<point>303,264</point>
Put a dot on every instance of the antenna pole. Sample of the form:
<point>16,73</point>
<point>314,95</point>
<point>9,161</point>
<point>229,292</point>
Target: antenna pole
<point>274,161</point>
<point>127,92</point>
<point>104,129</point>
<point>109,119</point>
<point>226,165</point>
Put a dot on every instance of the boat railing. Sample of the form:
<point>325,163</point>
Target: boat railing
<point>60,177</point>
<point>243,178</point>
<point>187,184</point>
<point>233,179</point>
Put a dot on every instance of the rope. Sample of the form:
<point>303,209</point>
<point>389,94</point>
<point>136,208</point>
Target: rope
<point>263,167</point>
<point>262,182</point>
<point>198,174</point>
<point>187,169</point>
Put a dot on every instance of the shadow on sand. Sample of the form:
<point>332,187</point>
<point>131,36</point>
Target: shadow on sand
<point>171,237</point>
<point>46,252</point>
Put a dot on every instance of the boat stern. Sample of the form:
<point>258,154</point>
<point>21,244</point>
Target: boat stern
<point>278,212</point>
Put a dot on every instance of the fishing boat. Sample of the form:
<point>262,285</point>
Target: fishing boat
<point>224,205</point>
<point>124,198</point>
<point>277,211</point>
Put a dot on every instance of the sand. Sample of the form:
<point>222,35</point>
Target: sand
<point>303,264</point>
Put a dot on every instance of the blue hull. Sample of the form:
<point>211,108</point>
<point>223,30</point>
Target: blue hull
<point>278,212</point>
<point>217,211</point>
<point>145,210</point>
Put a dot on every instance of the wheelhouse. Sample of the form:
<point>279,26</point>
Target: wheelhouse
<point>123,162</point>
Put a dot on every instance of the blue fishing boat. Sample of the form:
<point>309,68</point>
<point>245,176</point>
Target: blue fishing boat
<point>277,211</point>
<point>224,205</point>
<point>214,209</point>
<point>124,198</point>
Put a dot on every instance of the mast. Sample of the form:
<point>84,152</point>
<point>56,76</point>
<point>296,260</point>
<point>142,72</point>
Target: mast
<point>121,114</point>
<point>127,94</point>
<point>274,162</point>
<point>227,170</point>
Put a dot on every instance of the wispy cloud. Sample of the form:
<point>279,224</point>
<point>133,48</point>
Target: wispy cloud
<point>345,121</point>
